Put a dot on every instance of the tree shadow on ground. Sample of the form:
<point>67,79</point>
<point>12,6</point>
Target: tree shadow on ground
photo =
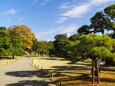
<point>54,58</point>
<point>70,67</point>
<point>44,73</point>
<point>108,80</point>
<point>86,78</point>
<point>29,83</point>
<point>108,69</point>
<point>38,73</point>
<point>5,57</point>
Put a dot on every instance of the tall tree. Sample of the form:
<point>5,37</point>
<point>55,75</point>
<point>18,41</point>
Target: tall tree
<point>35,46</point>
<point>25,34</point>
<point>17,46</point>
<point>110,11</point>
<point>4,42</point>
<point>58,44</point>
<point>99,22</point>
<point>72,51</point>
<point>41,47</point>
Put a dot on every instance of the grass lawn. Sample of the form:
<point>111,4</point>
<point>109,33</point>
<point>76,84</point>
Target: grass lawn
<point>9,60</point>
<point>72,75</point>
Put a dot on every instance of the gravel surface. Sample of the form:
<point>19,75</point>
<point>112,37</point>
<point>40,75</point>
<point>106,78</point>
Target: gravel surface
<point>20,73</point>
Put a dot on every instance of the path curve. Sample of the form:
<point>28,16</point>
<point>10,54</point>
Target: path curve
<point>20,73</point>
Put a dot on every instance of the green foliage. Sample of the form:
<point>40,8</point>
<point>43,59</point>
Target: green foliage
<point>51,48</point>
<point>99,22</point>
<point>9,44</point>
<point>81,47</point>
<point>59,46</point>
<point>110,11</point>
<point>60,36</point>
<point>100,52</point>
<point>85,29</point>
<point>17,46</point>
<point>42,47</point>
<point>75,37</point>
<point>4,41</point>
<point>60,41</point>
<point>91,41</point>
<point>35,46</point>
<point>72,51</point>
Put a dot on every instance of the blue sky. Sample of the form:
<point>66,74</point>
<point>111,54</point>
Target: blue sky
<point>47,18</point>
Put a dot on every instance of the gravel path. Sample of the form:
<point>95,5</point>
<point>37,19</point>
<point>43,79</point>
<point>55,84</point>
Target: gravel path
<point>20,73</point>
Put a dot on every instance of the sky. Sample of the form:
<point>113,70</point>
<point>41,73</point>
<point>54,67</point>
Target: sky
<point>47,18</point>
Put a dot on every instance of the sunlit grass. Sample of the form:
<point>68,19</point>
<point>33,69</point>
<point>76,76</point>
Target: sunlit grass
<point>75,75</point>
<point>8,60</point>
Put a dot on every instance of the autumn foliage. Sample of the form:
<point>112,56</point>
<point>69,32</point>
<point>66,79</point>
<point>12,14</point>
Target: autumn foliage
<point>25,33</point>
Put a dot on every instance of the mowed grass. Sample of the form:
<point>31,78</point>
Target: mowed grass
<point>9,60</point>
<point>59,71</point>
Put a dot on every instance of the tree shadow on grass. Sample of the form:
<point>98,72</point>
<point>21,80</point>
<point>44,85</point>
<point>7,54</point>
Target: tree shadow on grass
<point>29,83</point>
<point>71,67</point>
<point>108,69</point>
<point>108,80</point>
<point>84,77</point>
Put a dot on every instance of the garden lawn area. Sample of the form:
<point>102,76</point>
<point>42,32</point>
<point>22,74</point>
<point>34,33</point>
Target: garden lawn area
<point>9,60</point>
<point>78,74</point>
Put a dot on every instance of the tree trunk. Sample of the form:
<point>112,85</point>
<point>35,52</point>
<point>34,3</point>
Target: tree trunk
<point>102,31</point>
<point>13,56</point>
<point>93,70</point>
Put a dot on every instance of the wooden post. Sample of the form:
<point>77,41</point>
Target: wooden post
<point>52,76</point>
<point>59,82</point>
<point>97,65</point>
<point>93,70</point>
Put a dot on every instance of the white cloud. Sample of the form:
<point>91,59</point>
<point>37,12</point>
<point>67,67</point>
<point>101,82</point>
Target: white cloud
<point>61,20</point>
<point>11,11</point>
<point>78,11</point>
<point>69,29</point>
<point>65,5</point>
<point>99,2</point>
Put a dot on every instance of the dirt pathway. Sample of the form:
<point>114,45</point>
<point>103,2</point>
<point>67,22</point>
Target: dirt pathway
<point>20,74</point>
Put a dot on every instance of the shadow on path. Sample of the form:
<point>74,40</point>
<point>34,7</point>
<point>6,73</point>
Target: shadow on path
<point>38,73</point>
<point>29,83</point>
